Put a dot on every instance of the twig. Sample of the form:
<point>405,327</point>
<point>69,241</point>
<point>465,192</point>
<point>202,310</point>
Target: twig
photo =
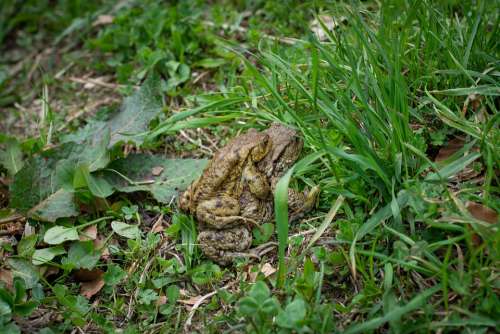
<point>96,82</point>
<point>9,219</point>
<point>136,293</point>
<point>199,144</point>
<point>199,302</point>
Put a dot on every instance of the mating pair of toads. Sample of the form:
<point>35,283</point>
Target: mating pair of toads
<point>235,191</point>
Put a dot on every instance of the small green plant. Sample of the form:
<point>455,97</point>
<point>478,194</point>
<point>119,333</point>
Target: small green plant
<point>15,303</point>
<point>168,37</point>
<point>259,307</point>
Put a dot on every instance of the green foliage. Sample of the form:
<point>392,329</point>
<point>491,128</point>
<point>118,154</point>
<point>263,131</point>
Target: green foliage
<point>259,307</point>
<point>36,17</point>
<point>392,85</point>
<point>263,233</point>
<point>44,255</point>
<point>12,157</point>
<point>167,37</point>
<point>59,234</point>
<point>130,123</point>
<point>163,178</point>
<point>205,273</point>
<point>81,255</point>
<point>126,230</point>
<point>14,303</point>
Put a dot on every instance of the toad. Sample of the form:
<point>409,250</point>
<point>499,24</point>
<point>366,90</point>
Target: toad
<point>236,190</point>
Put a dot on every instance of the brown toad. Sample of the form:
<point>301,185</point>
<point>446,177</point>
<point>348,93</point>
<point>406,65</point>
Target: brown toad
<point>243,191</point>
<point>214,197</point>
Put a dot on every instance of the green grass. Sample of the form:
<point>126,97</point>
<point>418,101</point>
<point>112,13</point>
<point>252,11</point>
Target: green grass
<point>395,244</point>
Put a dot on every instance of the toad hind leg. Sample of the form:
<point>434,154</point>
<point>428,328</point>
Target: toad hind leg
<point>220,213</point>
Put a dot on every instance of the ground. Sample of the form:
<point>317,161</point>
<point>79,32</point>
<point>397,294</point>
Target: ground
<point>109,109</point>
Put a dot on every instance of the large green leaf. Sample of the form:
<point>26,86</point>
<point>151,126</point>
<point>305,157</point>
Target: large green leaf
<point>163,178</point>
<point>131,122</point>
<point>36,192</point>
<point>25,270</point>
<point>12,157</point>
<point>81,254</point>
<point>32,184</point>
<point>44,255</point>
<point>125,230</point>
<point>57,205</point>
<point>59,234</point>
<point>43,187</point>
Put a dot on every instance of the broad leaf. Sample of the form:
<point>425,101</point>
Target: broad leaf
<point>292,315</point>
<point>12,157</point>
<point>163,178</point>
<point>82,255</point>
<point>4,308</point>
<point>32,184</point>
<point>125,230</point>
<point>97,185</point>
<point>25,270</point>
<point>44,255</point>
<point>131,122</point>
<point>59,234</point>
<point>59,204</point>
<point>26,246</point>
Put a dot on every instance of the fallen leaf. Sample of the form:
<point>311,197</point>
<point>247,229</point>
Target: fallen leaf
<point>329,22</point>
<point>157,170</point>
<point>6,277</point>
<point>474,100</point>
<point>89,233</point>
<point>267,270</point>
<point>449,149</point>
<point>161,300</point>
<point>103,20</point>
<point>85,275</point>
<point>89,289</point>
<point>252,274</point>
<point>482,212</point>
<point>158,225</point>
<point>100,245</point>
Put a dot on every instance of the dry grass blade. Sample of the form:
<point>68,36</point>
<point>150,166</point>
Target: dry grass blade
<point>328,219</point>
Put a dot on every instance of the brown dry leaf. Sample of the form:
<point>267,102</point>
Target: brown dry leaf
<point>449,149</point>
<point>158,225</point>
<point>474,100</point>
<point>85,275</point>
<point>89,289</point>
<point>267,269</point>
<point>329,22</point>
<point>103,20</point>
<point>252,274</point>
<point>157,170</point>
<point>99,243</point>
<point>162,300</point>
<point>6,277</point>
<point>89,233</point>
<point>482,212</point>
